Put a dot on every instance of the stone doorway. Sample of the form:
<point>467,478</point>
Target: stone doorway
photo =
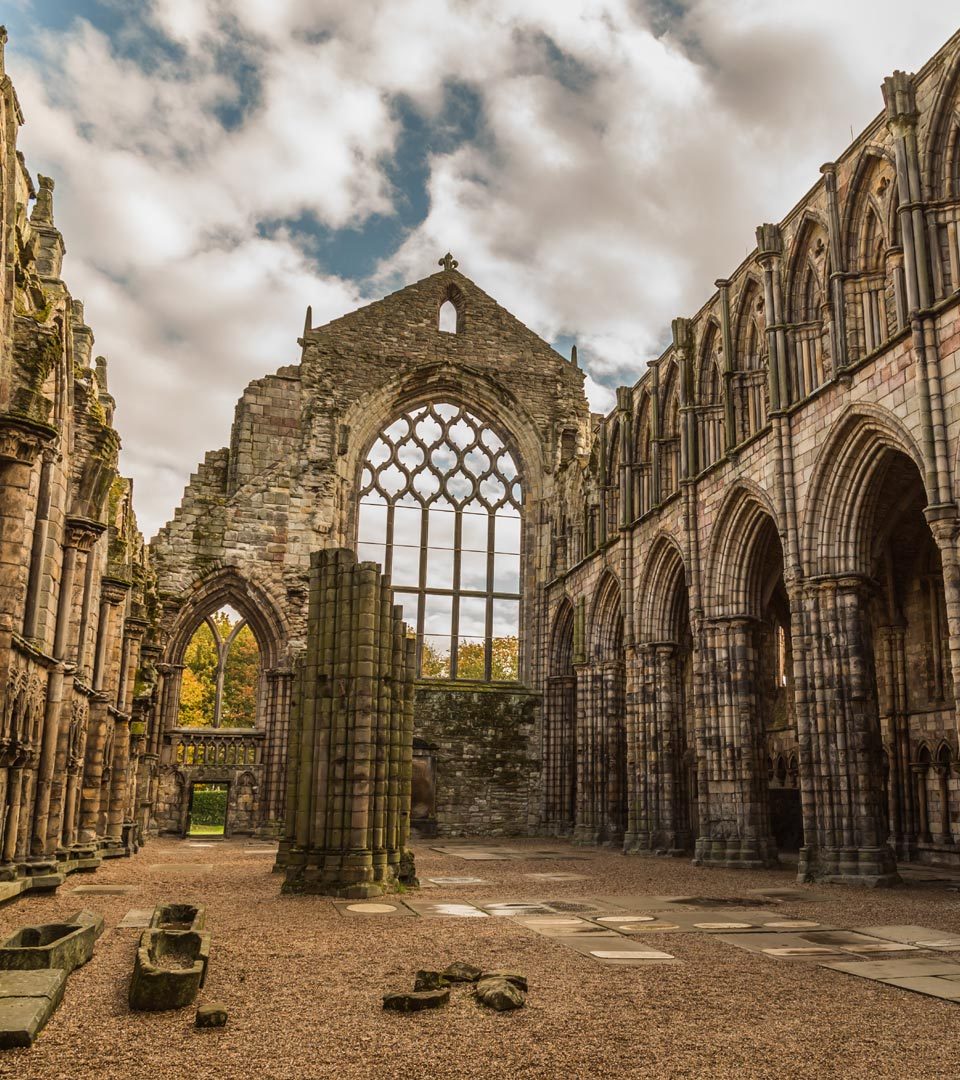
<point>207,814</point>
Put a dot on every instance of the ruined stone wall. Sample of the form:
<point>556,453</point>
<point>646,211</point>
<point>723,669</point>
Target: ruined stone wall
<point>783,438</point>
<point>76,600</point>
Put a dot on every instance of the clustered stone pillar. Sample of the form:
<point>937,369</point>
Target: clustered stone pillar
<point>350,752</point>
<point>842,750</point>
<point>734,818</point>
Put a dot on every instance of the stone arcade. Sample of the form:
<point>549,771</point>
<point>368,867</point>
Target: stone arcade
<point>722,621</point>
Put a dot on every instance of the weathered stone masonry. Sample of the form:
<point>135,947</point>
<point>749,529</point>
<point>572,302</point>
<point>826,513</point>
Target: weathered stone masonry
<point>76,641</point>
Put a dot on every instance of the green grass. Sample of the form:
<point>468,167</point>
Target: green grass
<point>205,830</point>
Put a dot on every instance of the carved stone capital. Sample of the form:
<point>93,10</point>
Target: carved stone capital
<point>114,591</point>
<point>82,533</point>
<point>21,440</point>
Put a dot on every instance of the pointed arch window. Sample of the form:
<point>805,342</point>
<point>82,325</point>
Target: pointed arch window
<point>441,511</point>
<point>221,675</point>
<point>449,317</point>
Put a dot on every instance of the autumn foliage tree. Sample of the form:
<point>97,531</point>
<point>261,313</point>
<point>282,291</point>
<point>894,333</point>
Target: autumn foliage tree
<point>241,675</point>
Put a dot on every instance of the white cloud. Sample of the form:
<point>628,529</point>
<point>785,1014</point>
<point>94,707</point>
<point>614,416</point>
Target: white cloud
<point>615,175</point>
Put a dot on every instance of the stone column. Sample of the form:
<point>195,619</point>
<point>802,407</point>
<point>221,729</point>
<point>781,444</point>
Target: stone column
<point>586,824</point>
<point>348,810</point>
<point>848,841</point>
<point>79,536</point>
<point>734,815</point>
<point>113,596</point>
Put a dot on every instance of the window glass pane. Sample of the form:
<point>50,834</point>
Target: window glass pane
<point>507,536</point>
<point>473,570</point>
<point>372,552</point>
<point>474,536</point>
<point>406,566</point>
<point>506,573</point>
<point>505,659</point>
<point>438,615</point>
<point>506,618</point>
<point>406,525</point>
<point>442,524</point>
<point>473,616</point>
<point>440,568</point>
<point>410,602</point>
<point>471,658</point>
<point>435,657</point>
<point>373,522</point>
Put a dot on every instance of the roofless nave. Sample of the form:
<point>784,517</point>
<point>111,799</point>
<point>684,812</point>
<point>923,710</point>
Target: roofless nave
<point>723,620</point>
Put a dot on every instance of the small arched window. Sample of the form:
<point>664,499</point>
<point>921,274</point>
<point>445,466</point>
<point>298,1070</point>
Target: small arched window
<point>221,674</point>
<point>449,317</point>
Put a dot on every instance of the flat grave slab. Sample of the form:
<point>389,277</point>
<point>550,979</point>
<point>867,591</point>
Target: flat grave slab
<point>559,927</point>
<point>182,867</point>
<point>138,918</point>
<point>105,890</point>
<point>618,951</point>
<point>787,893</point>
<point>784,947</point>
<point>456,880</point>
<point>384,906</point>
<point>27,1000</point>
<point>921,937</point>
<point>908,968</point>
<point>920,975</point>
<point>853,942</point>
<point>561,876</point>
<point>439,909</point>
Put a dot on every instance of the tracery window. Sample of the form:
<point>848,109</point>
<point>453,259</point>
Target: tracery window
<point>221,674</point>
<point>440,511</point>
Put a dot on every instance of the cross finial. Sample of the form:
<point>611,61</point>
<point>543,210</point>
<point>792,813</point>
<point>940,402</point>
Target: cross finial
<point>448,262</point>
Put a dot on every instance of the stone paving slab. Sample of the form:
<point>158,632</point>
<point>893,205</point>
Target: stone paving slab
<point>560,927</point>
<point>136,918</point>
<point>920,936</point>
<point>618,951</point>
<point>27,1000</point>
<point>908,968</point>
<point>105,890</point>
<point>182,867</point>
<point>931,986</point>
<point>456,880</point>
<point>366,908</point>
<point>851,941</point>
<point>557,877</point>
<point>784,947</point>
<point>439,909</point>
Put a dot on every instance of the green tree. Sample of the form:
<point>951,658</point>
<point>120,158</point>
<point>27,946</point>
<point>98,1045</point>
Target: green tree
<point>198,687</point>
<point>241,681</point>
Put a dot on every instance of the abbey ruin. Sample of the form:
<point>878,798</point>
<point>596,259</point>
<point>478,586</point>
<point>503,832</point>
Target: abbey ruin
<point>721,621</point>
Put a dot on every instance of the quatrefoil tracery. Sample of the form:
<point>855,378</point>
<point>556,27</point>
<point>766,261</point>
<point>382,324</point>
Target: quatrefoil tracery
<point>441,453</point>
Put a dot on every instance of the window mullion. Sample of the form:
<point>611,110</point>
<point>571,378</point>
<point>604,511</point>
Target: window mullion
<point>488,629</point>
<point>455,601</point>
<point>421,591</point>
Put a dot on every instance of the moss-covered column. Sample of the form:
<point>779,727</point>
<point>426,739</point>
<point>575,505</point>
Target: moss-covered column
<point>350,759</point>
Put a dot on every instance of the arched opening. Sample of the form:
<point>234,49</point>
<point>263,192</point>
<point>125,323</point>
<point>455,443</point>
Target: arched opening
<point>808,310</point>
<point>711,438</point>
<point>911,658</point>
<point>449,318</point>
<point>441,512</point>
<point>670,433</point>
<point>560,727</point>
<point>221,674</point>
<point>751,387</point>
<point>603,792</point>
<point>667,815</point>
<point>644,488</point>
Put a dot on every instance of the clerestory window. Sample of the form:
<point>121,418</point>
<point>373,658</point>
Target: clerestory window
<point>440,510</point>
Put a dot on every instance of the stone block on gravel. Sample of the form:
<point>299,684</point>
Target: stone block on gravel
<point>518,980</point>
<point>212,1015</point>
<point>500,994</point>
<point>27,1001</point>
<point>459,971</point>
<point>416,1001</point>
<point>430,980</point>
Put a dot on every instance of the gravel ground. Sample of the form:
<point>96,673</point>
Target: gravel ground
<point>302,983</point>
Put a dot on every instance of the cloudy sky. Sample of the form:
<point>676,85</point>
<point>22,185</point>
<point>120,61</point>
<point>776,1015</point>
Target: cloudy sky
<point>593,164</point>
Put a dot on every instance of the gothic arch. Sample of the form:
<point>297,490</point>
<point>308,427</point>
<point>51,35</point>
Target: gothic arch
<point>941,159</point>
<point>746,525</point>
<point>842,489</point>
<point>861,201</point>
<point>662,589</point>
<point>561,639</point>
<point>227,586</point>
<point>709,383</point>
<point>802,270</point>
<point>606,620</point>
